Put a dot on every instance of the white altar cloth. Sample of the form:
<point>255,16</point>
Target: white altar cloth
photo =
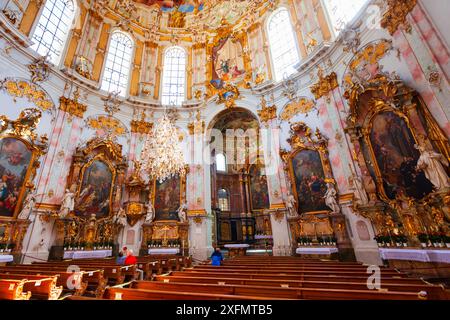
<point>416,255</point>
<point>4,258</point>
<point>237,246</point>
<point>316,250</point>
<point>260,237</point>
<point>163,251</point>
<point>87,254</point>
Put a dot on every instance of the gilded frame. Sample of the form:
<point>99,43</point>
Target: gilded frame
<point>302,139</point>
<point>380,108</point>
<point>182,192</point>
<point>103,158</point>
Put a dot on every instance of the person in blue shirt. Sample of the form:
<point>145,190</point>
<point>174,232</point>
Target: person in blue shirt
<point>120,259</point>
<point>216,257</point>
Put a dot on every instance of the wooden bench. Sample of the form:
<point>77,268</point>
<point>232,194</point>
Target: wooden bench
<point>138,294</point>
<point>279,292</point>
<point>434,292</point>
<point>41,287</point>
<point>13,290</point>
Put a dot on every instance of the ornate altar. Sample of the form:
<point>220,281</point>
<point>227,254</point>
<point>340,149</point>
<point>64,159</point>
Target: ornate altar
<point>311,179</point>
<point>393,132</point>
<point>165,234</point>
<point>167,228</point>
<point>20,149</point>
<point>96,177</point>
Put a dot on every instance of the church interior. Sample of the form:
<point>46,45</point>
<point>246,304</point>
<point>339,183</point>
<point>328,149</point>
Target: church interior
<point>224,150</point>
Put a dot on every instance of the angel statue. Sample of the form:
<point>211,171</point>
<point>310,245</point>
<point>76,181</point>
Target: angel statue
<point>330,198</point>
<point>182,212</point>
<point>28,206</point>
<point>120,218</point>
<point>290,205</point>
<point>150,216</point>
<point>432,164</point>
<point>67,205</point>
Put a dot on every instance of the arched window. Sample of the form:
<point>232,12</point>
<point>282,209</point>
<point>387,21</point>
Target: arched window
<point>342,12</point>
<point>52,29</point>
<point>174,77</point>
<point>283,46</point>
<point>221,162</point>
<point>224,201</point>
<point>118,63</point>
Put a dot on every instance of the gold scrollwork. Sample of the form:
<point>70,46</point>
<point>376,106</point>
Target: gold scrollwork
<point>25,89</point>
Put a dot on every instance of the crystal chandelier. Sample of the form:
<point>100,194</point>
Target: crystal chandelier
<point>162,157</point>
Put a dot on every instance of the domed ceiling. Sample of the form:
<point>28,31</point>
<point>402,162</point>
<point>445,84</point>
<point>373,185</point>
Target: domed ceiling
<point>210,13</point>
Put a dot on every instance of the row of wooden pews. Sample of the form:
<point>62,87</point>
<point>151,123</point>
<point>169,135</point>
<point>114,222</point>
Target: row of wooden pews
<point>262,278</point>
<point>78,278</point>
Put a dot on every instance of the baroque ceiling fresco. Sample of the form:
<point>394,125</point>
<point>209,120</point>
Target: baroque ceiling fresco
<point>210,13</point>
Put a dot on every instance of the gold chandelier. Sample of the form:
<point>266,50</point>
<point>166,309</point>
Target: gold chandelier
<point>162,157</point>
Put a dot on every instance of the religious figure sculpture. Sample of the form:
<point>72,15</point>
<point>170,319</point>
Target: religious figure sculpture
<point>67,205</point>
<point>360,191</point>
<point>290,205</point>
<point>121,218</point>
<point>432,164</point>
<point>182,212</point>
<point>330,198</point>
<point>150,216</point>
<point>28,206</point>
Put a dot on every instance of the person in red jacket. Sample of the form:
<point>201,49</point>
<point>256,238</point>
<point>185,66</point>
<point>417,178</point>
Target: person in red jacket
<point>130,259</point>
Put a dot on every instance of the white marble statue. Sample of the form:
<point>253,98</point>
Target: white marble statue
<point>67,205</point>
<point>28,206</point>
<point>360,191</point>
<point>330,198</point>
<point>182,212</point>
<point>150,216</point>
<point>290,205</point>
<point>121,218</point>
<point>432,164</point>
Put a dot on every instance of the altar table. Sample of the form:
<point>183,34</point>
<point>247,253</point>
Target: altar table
<point>164,251</point>
<point>87,254</point>
<point>327,250</point>
<point>422,255</point>
<point>4,258</point>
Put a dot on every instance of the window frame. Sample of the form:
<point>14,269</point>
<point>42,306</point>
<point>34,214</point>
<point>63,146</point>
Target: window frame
<point>62,56</point>
<point>164,56</point>
<point>227,200</point>
<point>133,50</point>
<point>330,20</point>
<point>225,162</point>
<point>296,41</point>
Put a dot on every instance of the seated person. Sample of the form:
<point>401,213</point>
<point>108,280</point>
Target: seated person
<point>120,259</point>
<point>216,257</point>
<point>132,260</point>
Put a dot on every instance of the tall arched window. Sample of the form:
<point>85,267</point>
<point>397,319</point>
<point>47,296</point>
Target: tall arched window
<point>174,77</point>
<point>342,12</point>
<point>221,162</point>
<point>118,63</point>
<point>283,46</point>
<point>52,29</point>
<point>224,201</point>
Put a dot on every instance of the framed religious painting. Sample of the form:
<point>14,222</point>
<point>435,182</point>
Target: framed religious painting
<point>20,150</point>
<point>259,192</point>
<point>168,196</point>
<point>308,168</point>
<point>309,179</point>
<point>94,194</point>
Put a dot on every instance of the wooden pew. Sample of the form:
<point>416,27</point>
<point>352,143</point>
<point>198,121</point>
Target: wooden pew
<point>113,293</point>
<point>13,290</point>
<point>41,287</point>
<point>434,292</point>
<point>279,292</point>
